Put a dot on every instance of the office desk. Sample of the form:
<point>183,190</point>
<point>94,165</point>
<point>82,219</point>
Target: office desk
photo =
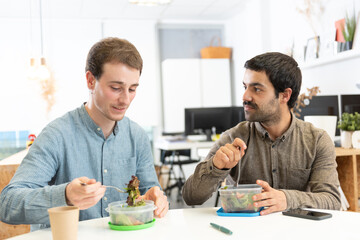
<point>194,223</point>
<point>196,147</point>
<point>199,150</point>
<point>348,161</point>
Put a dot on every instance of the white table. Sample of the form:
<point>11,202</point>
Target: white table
<point>198,149</point>
<point>194,223</point>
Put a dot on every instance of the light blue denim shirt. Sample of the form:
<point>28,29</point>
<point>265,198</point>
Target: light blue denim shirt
<point>70,147</point>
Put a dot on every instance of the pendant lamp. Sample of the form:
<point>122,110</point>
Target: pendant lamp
<point>38,69</point>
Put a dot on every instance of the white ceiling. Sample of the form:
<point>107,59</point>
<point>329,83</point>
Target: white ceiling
<point>121,9</point>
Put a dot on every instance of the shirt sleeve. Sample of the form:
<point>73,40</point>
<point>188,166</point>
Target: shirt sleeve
<point>145,169</point>
<point>200,186</point>
<point>323,185</point>
<point>29,194</point>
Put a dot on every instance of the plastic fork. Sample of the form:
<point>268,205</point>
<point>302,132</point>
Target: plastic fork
<point>238,176</point>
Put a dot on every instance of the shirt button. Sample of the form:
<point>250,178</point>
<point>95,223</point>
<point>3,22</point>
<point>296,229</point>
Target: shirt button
<point>98,129</point>
<point>274,170</point>
<point>273,146</point>
<point>105,170</point>
<point>105,199</point>
<point>211,167</point>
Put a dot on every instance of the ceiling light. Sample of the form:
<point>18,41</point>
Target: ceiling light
<point>150,2</point>
<point>38,70</point>
<point>44,73</point>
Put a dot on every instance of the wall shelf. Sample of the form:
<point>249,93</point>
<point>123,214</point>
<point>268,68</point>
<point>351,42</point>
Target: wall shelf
<point>331,59</point>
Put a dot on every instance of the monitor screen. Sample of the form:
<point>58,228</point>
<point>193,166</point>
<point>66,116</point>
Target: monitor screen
<point>198,120</point>
<point>322,105</point>
<point>350,103</point>
<point>237,115</point>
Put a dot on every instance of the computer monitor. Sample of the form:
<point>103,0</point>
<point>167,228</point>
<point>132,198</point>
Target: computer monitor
<point>198,120</point>
<point>322,105</point>
<point>237,115</point>
<point>350,103</point>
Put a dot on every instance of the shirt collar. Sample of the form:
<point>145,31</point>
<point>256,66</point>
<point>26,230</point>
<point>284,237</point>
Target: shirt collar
<point>91,124</point>
<point>116,128</point>
<point>264,134</point>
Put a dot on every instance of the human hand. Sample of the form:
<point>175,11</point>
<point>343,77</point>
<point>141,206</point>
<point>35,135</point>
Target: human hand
<point>160,200</point>
<point>229,155</point>
<point>84,196</point>
<point>274,199</point>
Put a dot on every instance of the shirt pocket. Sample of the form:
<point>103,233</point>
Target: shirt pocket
<point>297,178</point>
<point>126,166</point>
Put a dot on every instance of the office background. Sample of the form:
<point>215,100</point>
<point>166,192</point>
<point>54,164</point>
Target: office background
<point>70,28</point>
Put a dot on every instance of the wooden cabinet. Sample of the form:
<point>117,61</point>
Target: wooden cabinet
<point>8,167</point>
<point>348,161</point>
<point>193,83</point>
<point>7,230</point>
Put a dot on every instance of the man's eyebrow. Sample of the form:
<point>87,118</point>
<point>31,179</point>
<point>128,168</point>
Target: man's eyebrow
<point>122,83</point>
<point>255,84</point>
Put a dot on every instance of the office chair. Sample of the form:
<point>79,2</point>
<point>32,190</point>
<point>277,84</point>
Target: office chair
<point>175,158</point>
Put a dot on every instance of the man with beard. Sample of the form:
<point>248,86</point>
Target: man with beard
<point>78,154</point>
<point>292,161</point>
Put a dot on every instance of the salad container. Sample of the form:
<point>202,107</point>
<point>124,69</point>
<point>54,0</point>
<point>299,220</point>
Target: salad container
<point>239,199</point>
<point>123,215</point>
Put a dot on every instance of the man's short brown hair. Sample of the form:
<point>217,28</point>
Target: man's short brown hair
<point>113,50</point>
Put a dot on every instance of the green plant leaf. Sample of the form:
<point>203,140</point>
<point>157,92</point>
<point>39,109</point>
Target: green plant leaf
<point>349,122</point>
<point>349,29</point>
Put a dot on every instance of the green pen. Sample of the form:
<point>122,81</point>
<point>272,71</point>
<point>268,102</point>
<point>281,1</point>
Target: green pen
<point>221,228</point>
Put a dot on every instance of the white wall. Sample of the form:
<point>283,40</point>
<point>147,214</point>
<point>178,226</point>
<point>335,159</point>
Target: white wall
<point>66,44</point>
<point>334,78</point>
<point>288,24</point>
<point>244,34</point>
<point>145,108</point>
<point>17,95</point>
<point>261,26</point>
<point>274,25</point>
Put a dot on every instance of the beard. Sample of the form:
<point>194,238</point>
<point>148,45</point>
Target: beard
<point>268,113</point>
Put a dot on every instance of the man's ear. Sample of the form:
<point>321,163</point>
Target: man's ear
<point>90,80</point>
<point>285,96</point>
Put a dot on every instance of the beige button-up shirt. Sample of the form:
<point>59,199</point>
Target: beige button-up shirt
<point>301,163</point>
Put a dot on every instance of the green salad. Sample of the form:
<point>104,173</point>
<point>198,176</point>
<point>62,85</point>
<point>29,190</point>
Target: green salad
<point>132,218</point>
<point>134,193</point>
<point>235,202</point>
<point>134,211</point>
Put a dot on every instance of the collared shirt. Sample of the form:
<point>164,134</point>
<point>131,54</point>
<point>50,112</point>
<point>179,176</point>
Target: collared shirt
<point>70,147</point>
<point>301,163</point>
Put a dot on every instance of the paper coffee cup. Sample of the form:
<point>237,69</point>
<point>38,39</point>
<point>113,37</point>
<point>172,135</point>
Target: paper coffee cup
<point>64,222</point>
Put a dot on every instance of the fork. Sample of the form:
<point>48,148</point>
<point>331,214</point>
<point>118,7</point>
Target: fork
<point>116,188</point>
<point>238,176</point>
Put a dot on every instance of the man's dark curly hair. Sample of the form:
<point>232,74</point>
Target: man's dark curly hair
<point>283,72</point>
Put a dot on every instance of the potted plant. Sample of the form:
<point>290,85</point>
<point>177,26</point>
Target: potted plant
<point>348,124</point>
<point>349,31</point>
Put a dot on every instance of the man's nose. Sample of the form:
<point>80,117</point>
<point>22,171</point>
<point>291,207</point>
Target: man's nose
<point>124,98</point>
<point>247,95</point>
